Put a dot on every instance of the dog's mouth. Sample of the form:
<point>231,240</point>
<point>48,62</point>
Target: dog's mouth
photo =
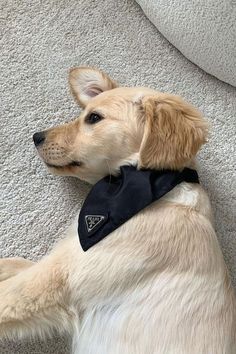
<point>71,164</point>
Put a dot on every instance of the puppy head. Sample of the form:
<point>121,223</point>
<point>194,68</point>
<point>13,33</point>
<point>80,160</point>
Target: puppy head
<point>120,126</point>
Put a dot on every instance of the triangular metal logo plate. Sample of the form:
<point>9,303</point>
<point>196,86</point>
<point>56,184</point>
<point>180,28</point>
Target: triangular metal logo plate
<point>93,221</point>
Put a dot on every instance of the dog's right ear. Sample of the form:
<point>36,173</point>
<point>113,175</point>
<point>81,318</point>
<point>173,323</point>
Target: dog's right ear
<point>86,82</point>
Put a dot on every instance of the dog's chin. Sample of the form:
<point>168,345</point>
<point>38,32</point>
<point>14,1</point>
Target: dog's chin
<point>69,169</point>
<point>75,171</point>
<point>62,170</point>
<point>71,164</point>
<point>92,172</point>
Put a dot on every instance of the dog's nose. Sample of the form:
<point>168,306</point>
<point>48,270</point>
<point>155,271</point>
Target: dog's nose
<point>38,138</point>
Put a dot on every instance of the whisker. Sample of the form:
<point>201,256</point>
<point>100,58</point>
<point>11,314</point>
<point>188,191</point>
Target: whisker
<point>109,171</point>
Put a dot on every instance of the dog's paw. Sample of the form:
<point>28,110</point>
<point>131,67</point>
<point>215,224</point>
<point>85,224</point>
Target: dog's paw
<point>12,266</point>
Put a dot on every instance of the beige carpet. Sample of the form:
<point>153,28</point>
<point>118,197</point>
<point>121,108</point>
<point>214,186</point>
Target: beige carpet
<point>40,40</point>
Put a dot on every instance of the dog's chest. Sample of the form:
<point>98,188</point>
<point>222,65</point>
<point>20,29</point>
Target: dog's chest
<point>185,194</point>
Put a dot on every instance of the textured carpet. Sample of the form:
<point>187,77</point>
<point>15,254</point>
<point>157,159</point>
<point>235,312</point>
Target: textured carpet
<point>40,40</point>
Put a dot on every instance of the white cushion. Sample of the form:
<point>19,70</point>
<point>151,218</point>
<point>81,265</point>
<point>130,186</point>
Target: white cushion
<point>203,30</point>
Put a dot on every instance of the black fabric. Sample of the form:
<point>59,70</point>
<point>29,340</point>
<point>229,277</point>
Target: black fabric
<point>114,200</point>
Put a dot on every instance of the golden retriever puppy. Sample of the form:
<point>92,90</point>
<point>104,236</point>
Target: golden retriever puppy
<point>157,284</point>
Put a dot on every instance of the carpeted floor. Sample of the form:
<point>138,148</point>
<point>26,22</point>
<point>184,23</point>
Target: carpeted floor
<point>40,40</point>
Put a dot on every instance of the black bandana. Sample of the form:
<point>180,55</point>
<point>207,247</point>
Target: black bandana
<point>114,200</point>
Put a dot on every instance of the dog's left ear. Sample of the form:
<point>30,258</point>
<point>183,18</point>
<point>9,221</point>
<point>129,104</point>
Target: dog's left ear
<point>86,82</point>
<point>173,132</point>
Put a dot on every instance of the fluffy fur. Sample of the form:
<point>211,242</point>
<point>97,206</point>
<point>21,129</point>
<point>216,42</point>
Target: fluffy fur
<point>159,283</point>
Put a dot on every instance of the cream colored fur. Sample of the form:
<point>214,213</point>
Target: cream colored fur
<point>158,284</point>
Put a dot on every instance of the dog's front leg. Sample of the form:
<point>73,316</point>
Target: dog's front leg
<point>33,302</point>
<point>12,266</point>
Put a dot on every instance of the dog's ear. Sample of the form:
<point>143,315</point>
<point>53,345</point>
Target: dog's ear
<point>86,82</point>
<point>173,132</point>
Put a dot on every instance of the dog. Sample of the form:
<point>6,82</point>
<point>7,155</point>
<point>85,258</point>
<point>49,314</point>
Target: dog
<point>158,284</point>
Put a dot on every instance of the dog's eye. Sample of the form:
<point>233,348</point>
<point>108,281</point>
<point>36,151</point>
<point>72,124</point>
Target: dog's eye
<point>93,118</point>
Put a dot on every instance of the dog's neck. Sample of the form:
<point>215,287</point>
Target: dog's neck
<point>133,160</point>
<point>113,167</point>
<point>116,199</point>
